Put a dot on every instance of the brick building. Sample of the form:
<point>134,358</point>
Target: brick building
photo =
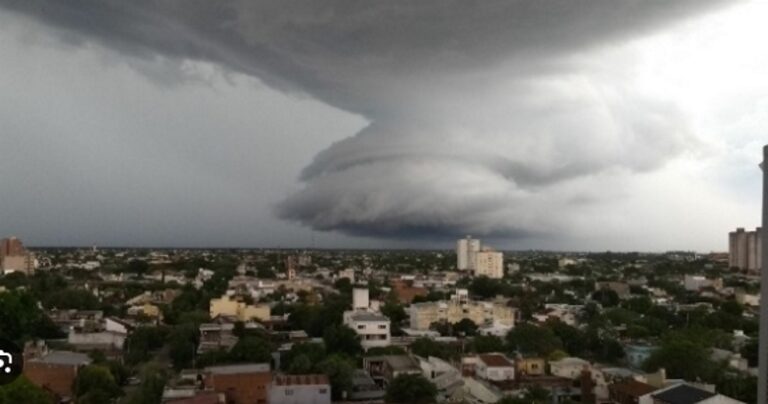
<point>241,384</point>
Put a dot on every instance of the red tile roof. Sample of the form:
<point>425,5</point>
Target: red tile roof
<point>495,360</point>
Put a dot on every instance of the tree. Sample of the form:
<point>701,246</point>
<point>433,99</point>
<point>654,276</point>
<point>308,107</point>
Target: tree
<point>410,388</point>
<point>485,287</point>
<point>95,384</point>
<point>183,341</point>
<point>303,358</point>
<point>682,358</point>
<point>465,327</point>
<point>142,341</point>
<point>339,370</point>
<point>22,390</point>
<point>527,338</point>
<point>606,297</point>
<point>485,344</point>
<point>251,349</point>
<point>340,338</point>
<point>265,273</point>
<point>426,347</point>
<point>139,267</point>
<point>153,379</point>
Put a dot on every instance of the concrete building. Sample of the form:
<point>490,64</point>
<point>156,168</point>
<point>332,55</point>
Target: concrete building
<point>373,328</point>
<point>226,306</point>
<point>494,367</point>
<point>744,249</point>
<point>466,249</point>
<point>383,369</point>
<point>489,263</point>
<point>300,389</point>
<point>56,371</point>
<point>14,258</point>
<point>247,383</point>
<point>569,368</point>
<point>360,299</point>
<point>459,308</point>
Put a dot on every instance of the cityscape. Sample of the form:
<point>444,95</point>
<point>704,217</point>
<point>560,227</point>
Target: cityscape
<point>399,202</point>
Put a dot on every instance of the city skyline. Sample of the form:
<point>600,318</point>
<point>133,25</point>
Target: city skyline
<point>640,136</point>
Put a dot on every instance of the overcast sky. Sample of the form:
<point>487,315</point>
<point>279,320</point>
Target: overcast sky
<point>557,124</point>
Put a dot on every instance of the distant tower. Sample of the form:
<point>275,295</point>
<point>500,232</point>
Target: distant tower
<point>290,267</point>
<point>762,379</point>
<point>466,249</point>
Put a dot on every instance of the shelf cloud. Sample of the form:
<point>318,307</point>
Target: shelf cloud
<point>484,117</point>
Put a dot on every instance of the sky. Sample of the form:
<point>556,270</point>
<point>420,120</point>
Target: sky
<point>593,125</point>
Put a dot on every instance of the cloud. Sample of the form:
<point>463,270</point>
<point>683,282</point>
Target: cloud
<point>486,117</point>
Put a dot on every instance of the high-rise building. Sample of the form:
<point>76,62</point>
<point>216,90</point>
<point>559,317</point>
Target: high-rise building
<point>466,249</point>
<point>489,263</point>
<point>13,257</point>
<point>744,249</point>
<point>762,379</point>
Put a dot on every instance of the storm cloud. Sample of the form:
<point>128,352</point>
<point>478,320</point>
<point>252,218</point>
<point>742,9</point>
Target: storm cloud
<point>485,117</point>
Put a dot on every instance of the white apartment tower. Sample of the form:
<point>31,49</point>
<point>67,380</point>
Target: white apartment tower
<point>744,249</point>
<point>466,249</point>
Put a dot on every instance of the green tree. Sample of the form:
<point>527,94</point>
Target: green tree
<point>303,358</point>
<point>527,338</point>
<point>251,349</point>
<point>153,378</point>
<point>142,341</point>
<point>340,338</point>
<point>139,267</point>
<point>22,390</point>
<point>339,370</point>
<point>465,327</point>
<point>485,344</point>
<point>94,384</point>
<point>410,388</point>
<point>682,358</point>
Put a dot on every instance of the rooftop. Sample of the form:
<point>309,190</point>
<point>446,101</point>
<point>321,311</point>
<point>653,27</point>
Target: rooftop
<point>234,369</point>
<point>305,380</point>
<point>495,360</point>
<point>682,394</point>
<point>63,358</point>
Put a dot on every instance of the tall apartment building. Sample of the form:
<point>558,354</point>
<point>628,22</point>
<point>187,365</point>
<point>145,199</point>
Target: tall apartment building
<point>489,263</point>
<point>744,249</point>
<point>14,258</point>
<point>466,249</point>
<point>459,307</point>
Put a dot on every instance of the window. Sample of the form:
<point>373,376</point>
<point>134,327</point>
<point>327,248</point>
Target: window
<point>383,327</point>
<point>288,392</point>
<point>361,327</point>
<point>323,391</point>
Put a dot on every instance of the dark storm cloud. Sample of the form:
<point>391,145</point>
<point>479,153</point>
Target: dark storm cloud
<point>486,117</point>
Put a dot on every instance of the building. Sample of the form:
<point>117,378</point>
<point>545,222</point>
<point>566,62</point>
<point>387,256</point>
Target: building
<point>56,371</point>
<point>695,283</point>
<point>300,389</point>
<point>373,328</point>
<point>458,308</point>
<point>466,249</point>
<point>14,258</point>
<point>685,393</point>
<point>383,369</point>
<point>494,367</point>
<point>569,368</point>
<point>291,262</point>
<point>530,366</point>
<point>489,263</point>
<point>241,384</point>
<point>629,391</point>
<point>360,299</point>
<point>226,306</point>
<point>744,249</point>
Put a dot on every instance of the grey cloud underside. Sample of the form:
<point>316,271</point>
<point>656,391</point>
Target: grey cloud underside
<point>484,114</point>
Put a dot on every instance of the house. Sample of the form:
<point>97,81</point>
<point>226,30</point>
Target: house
<point>246,383</point>
<point>684,393</point>
<point>56,371</point>
<point>637,354</point>
<point>300,389</point>
<point>629,391</point>
<point>444,376</point>
<point>569,368</point>
<point>494,367</point>
<point>530,366</point>
<point>373,328</point>
<point>383,369</point>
